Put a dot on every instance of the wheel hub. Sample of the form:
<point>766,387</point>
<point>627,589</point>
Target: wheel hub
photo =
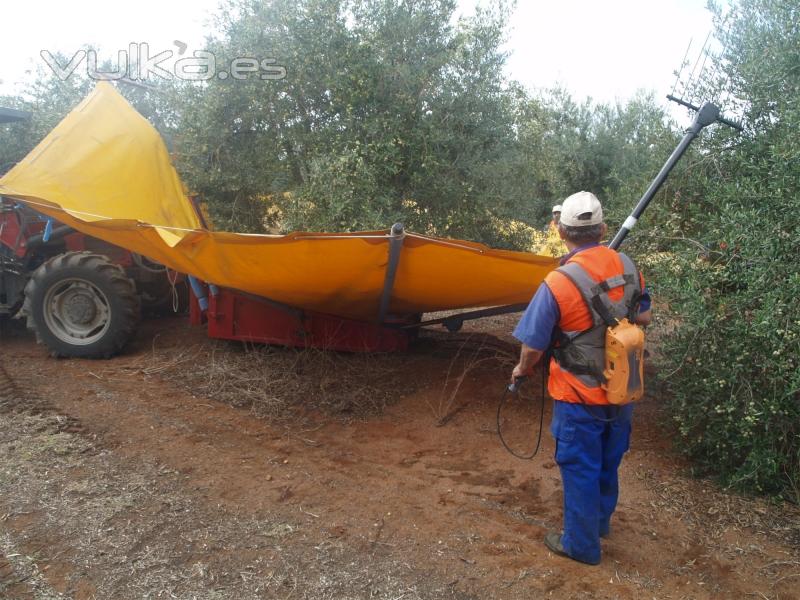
<point>80,309</point>
<point>76,311</point>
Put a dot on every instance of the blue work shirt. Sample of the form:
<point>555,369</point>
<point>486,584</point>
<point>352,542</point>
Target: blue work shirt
<point>536,327</point>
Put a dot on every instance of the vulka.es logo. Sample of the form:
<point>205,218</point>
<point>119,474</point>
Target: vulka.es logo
<point>137,63</point>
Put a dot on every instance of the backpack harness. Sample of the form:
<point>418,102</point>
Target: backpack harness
<point>609,353</point>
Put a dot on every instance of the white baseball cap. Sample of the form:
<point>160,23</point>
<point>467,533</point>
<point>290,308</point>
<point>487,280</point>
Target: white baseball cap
<point>581,210</point>
<point>557,208</point>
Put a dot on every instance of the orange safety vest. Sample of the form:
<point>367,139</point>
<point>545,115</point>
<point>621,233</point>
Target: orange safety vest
<point>600,263</point>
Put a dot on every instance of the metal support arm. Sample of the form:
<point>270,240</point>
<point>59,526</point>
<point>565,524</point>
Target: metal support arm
<point>398,234</point>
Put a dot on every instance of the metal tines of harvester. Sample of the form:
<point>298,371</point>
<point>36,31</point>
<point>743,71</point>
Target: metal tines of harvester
<point>703,77</point>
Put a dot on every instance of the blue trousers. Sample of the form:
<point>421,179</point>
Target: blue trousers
<point>588,452</point>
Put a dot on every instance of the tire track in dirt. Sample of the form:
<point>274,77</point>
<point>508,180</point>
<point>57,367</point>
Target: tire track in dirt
<point>20,576</point>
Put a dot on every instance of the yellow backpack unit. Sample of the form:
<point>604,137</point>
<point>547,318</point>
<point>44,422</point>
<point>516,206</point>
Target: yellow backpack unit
<point>624,370</point>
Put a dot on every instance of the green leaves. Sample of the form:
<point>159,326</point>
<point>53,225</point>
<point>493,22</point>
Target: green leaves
<point>390,111</point>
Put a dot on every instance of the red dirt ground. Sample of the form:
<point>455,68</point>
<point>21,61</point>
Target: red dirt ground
<point>118,482</point>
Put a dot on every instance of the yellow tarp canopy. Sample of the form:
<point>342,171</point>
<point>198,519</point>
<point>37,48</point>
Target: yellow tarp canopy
<point>105,171</point>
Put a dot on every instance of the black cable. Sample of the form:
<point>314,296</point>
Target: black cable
<point>514,389</point>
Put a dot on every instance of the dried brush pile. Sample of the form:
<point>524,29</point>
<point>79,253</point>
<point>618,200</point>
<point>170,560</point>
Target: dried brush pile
<point>283,383</point>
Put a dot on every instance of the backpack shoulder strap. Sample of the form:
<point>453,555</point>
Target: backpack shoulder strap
<point>591,292</point>
<point>630,272</point>
<point>633,289</point>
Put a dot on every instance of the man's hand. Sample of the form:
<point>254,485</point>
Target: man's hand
<point>518,372</point>
<point>644,318</point>
<point>528,357</point>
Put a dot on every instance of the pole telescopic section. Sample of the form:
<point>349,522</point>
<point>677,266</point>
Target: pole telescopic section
<point>707,114</point>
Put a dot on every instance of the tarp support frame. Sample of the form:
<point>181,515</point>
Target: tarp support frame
<point>455,322</point>
<point>398,234</point>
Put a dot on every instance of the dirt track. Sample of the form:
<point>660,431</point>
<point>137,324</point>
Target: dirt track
<point>117,482</point>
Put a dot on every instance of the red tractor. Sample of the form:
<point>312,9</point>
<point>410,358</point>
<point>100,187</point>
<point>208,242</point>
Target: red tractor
<point>83,297</point>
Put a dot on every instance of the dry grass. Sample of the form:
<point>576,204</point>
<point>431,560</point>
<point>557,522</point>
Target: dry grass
<point>470,352</point>
<point>730,525</point>
<point>718,511</point>
<point>285,384</point>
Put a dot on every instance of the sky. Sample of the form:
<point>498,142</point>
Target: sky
<point>606,50</point>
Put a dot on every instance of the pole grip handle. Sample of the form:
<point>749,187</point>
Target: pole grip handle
<point>518,381</point>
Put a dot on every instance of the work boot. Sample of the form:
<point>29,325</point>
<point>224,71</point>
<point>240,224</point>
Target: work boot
<point>553,542</point>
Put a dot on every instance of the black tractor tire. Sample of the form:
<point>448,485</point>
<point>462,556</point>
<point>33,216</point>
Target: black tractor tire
<point>81,305</point>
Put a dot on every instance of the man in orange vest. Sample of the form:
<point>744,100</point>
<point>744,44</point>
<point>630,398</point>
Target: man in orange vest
<point>591,434</point>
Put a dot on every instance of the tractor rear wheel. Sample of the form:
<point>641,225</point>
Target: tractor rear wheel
<point>81,305</point>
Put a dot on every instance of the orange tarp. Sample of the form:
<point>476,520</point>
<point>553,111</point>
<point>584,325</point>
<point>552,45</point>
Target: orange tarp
<point>105,171</point>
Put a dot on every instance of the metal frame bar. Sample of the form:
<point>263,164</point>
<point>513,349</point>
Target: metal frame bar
<point>397,234</point>
<point>455,322</point>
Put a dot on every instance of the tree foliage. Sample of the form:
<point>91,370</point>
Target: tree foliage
<point>731,272</point>
<point>388,112</point>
